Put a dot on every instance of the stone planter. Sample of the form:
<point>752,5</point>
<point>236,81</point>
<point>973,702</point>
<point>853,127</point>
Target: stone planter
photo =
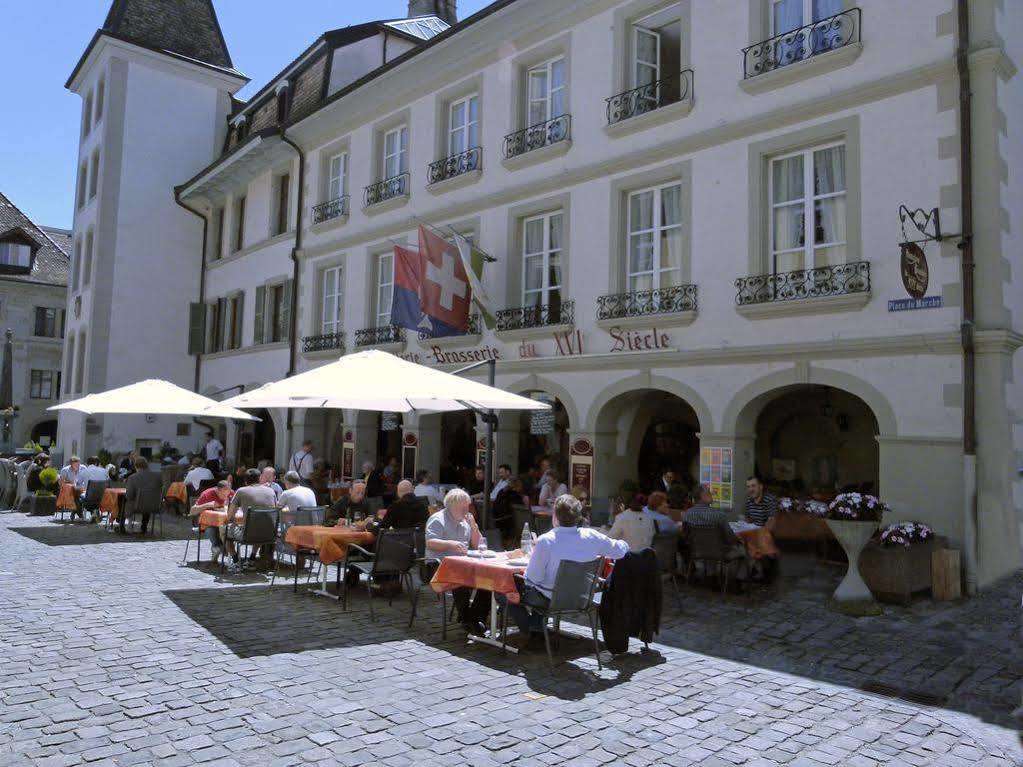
<point>852,596</point>
<point>42,505</point>
<point>895,573</point>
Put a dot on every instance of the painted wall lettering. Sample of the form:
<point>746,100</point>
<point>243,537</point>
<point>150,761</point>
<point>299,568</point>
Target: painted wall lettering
<point>637,340</point>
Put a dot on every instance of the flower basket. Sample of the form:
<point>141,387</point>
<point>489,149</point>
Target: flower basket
<point>895,573</point>
<point>42,505</point>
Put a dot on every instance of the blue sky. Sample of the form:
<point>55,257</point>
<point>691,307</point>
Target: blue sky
<point>39,135</point>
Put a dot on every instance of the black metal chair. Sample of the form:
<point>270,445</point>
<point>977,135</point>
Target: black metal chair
<point>148,502</point>
<point>94,496</point>
<point>665,546</point>
<point>708,545</point>
<point>259,528</point>
<point>573,594</point>
<point>395,556</point>
<point>303,515</point>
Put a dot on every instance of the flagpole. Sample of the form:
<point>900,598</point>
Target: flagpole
<point>486,256</point>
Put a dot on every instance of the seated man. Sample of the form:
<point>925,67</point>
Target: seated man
<point>295,495</point>
<point>347,506</point>
<point>760,505</point>
<point>197,473</point>
<point>634,525</point>
<point>211,498</point>
<point>141,480</point>
<point>426,489</point>
<point>92,472</point>
<point>268,477</point>
<point>453,530</point>
<point>71,472</point>
<point>703,515</point>
<point>408,510</point>
<point>254,495</point>
<point>565,541</point>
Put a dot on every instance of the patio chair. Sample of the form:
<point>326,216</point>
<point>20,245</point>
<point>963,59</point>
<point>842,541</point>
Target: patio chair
<point>93,496</point>
<point>304,515</point>
<point>259,529</point>
<point>575,587</point>
<point>665,546</point>
<point>708,545</point>
<point>148,502</point>
<point>395,555</point>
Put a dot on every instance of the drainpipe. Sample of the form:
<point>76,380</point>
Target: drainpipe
<point>293,330</point>
<point>202,276</point>
<point>967,328</point>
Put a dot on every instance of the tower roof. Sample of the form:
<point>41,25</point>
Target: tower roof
<point>186,27</point>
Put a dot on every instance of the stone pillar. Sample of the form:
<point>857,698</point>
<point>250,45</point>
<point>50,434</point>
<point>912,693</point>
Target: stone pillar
<point>725,462</point>
<point>363,442</point>
<point>581,454</point>
<point>428,428</point>
<point>609,469</point>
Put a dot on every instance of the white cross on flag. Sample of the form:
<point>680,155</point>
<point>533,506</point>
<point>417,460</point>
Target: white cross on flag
<point>445,290</point>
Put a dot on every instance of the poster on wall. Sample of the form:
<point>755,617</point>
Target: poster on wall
<point>581,465</point>
<point>541,422</point>
<point>716,472</point>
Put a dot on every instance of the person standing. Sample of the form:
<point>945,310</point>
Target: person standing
<point>373,479</point>
<point>214,453</point>
<point>302,462</point>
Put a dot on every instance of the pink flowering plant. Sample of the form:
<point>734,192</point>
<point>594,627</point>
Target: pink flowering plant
<point>905,534</point>
<point>857,507</point>
<point>817,508</point>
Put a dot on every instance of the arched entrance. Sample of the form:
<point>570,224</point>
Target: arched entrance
<point>457,446</point>
<point>389,435</point>
<point>642,432</point>
<point>257,440</point>
<point>539,438</point>
<point>45,433</point>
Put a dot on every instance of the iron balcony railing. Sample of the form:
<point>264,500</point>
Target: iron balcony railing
<point>646,98</point>
<point>456,165</point>
<point>820,282</point>
<point>537,136</point>
<point>680,298</point>
<point>561,313</point>
<point>385,334</point>
<point>388,189</point>
<point>335,208</point>
<point>821,36</point>
<point>474,329</point>
<point>324,342</point>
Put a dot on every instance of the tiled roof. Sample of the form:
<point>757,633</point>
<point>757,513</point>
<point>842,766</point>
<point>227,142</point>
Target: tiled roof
<point>50,263</point>
<point>186,27</point>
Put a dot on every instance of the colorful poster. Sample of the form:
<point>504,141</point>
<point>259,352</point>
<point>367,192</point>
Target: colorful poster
<point>716,471</point>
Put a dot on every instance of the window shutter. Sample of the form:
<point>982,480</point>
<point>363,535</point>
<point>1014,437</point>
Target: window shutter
<point>237,320</point>
<point>259,331</point>
<point>40,329</point>
<point>221,323</point>
<point>286,310</point>
<point>196,328</point>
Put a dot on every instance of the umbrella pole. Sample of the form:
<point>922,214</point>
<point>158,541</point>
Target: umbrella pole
<point>488,419</point>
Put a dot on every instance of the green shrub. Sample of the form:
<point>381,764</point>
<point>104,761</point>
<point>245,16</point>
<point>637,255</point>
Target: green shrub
<point>48,477</point>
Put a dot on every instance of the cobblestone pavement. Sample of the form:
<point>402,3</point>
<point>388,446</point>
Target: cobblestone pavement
<point>113,654</point>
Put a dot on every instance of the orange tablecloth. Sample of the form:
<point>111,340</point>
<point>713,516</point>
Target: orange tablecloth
<point>111,501</point>
<point>759,543</point>
<point>487,574</point>
<point>337,492</point>
<point>213,518</point>
<point>66,497</point>
<point>178,492</point>
<point>330,542</point>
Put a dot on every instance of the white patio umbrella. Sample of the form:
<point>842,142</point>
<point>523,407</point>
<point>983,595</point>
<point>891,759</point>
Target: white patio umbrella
<point>152,397</point>
<point>376,380</point>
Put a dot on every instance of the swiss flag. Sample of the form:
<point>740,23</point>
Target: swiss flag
<point>444,292</point>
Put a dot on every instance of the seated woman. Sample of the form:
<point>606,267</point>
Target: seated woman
<point>551,489</point>
<point>654,504</point>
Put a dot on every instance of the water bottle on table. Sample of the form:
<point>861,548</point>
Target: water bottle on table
<point>527,540</point>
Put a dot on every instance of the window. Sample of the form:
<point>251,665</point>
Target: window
<point>395,152</point>
<point>655,238</point>
<point>546,91</point>
<point>83,178</point>
<point>277,312</point>
<point>100,88</point>
<point>656,56</point>
<point>787,15</point>
<point>235,307</point>
<point>541,260</point>
<point>332,308</point>
<point>239,223</point>
<point>215,326</point>
<point>273,313</point>
<point>15,254</point>
<point>49,323</point>
<point>87,115</point>
<point>90,242</point>
<point>463,125</point>
<point>337,176</point>
<point>385,288</point>
<point>76,266</point>
<point>41,384</point>
<point>80,363</point>
<point>281,216</point>
<point>184,429</point>
<point>807,204</point>
<point>94,175</point>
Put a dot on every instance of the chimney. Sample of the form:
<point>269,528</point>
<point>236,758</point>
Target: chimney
<point>445,9</point>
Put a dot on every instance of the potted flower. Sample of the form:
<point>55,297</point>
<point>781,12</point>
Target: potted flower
<point>898,563</point>
<point>44,502</point>
<point>853,518</point>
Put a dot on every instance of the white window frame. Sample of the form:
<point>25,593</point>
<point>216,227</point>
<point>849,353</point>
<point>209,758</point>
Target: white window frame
<point>466,128</point>
<point>658,228</point>
<point>332,322</point>
<point>806,17</point>
<point>546,68</point>
<point>384,280</point>
<point>8,246</point>
<point>399,158</point>
<point>544,291</point>
<point>809,247</point>
<point>337,178</point>
<point>637,30</point>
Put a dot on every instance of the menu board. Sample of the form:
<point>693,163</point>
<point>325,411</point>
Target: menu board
<point>541,422</point>
<point>716,472</point>
<point>389,422</point>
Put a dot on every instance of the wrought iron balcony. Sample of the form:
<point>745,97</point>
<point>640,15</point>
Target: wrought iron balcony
<point>456,165</point>
<point>823,281</point>
<point>474,329</point>
<point>385,334</point>
<point>537,136</point>
<point>803,43</point>
<point>325,342</point>
<point>335,208</point>
<point>388,189</point>
<point>523,317</point>
<point>646,98</point>
<point>680,298</point>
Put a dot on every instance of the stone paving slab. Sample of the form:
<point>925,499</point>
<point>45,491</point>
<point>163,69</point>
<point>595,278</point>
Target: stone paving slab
<point>113,654</point>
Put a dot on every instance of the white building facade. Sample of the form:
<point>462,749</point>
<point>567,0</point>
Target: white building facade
<point>694,211</point>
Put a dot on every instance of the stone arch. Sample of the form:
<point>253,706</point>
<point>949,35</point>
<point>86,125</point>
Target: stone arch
<point>539,383</point>
<point>649,381</point>
<point>740,415</point>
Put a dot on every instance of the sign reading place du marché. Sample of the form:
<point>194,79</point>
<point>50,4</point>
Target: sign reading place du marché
<point>906,304</point>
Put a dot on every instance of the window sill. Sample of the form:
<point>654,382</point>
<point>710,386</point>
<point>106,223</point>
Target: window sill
<point>803,70</point>
<point>455,182</point>
<point>393,347</point>
<point>667,320</point>
<point>646,120</point>
<point>275,346</point>
<point>324,354</point>
<point>449,342</point>
<point>532,334</point>
<point>804,306</point>
<point>386,205</point>
<point>542,154</point>
<point>330,223</point>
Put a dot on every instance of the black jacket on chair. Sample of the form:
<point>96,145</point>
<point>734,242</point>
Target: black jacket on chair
<point>631,605</point>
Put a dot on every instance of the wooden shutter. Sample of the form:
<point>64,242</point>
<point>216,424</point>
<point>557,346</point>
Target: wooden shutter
<point>219,335</point>
<point>259,331</point>
<point>236,321</point>
<point>196,328</point>
<point>286,291</point>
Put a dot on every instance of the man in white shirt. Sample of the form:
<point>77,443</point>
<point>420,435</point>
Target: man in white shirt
<point>214,452</point>
<point>92,472</point>
<point>197,474</point>
<point>302,462</point>
<point>72,471</point>
<point>295,495</point>
<point>635,526</point>
<point>503,475</point>
<point>426,489</point>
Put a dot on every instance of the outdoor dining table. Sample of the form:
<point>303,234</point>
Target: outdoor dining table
<point>758,541</point>
<point>331,545</point>
<point>112,502</point>
<point>210,518</point>
<point>492,574</point>
<point>66,497</point>
<point>177,492</point>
